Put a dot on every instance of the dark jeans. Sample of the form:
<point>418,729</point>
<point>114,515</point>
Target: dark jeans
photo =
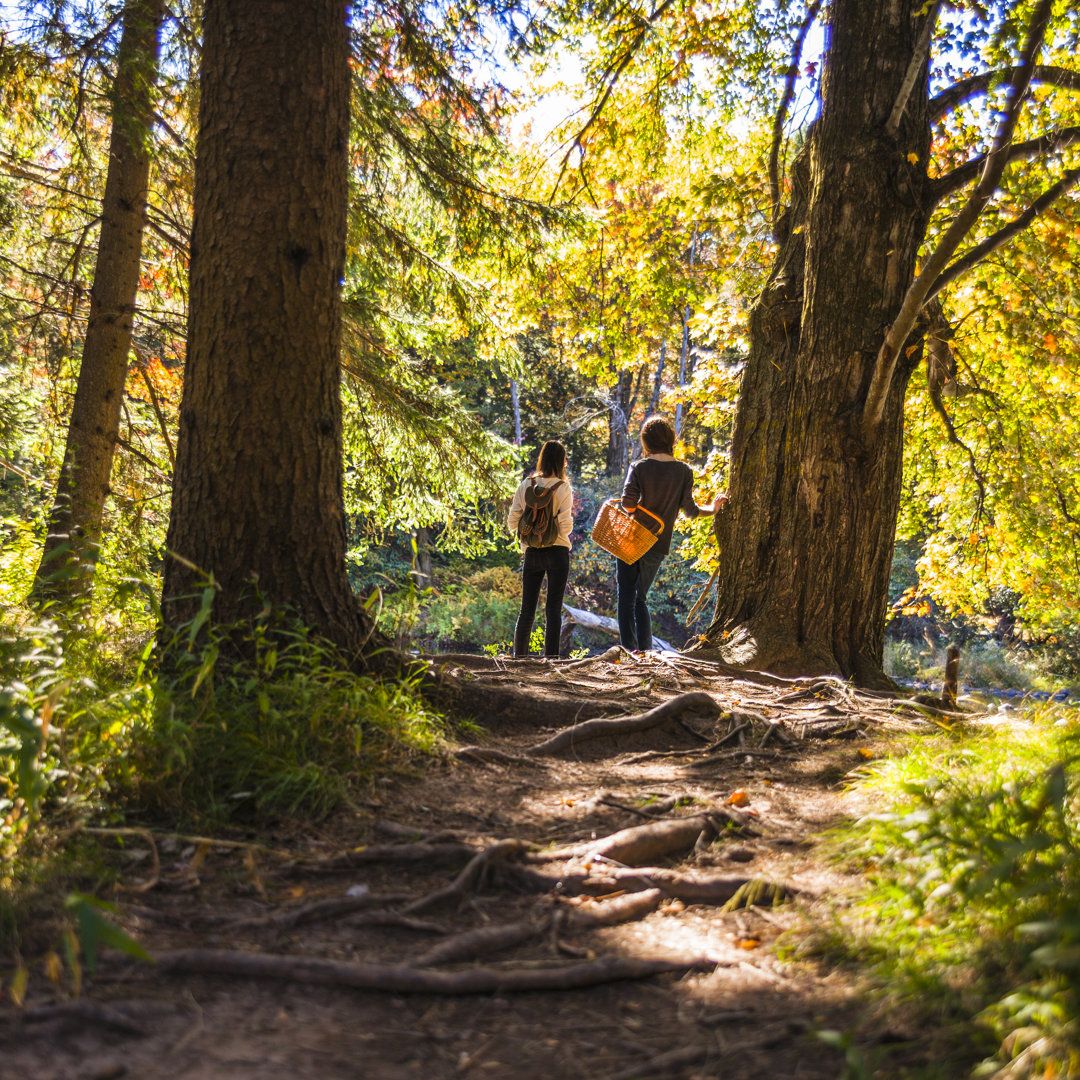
<point>634,579</point>
<point>555,562</point>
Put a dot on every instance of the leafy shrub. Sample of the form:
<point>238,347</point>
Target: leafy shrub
<point>265,718</point>
<point>480,609</point>
<point>974,902</point>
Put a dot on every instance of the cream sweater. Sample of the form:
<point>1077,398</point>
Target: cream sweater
<point>564,507</point>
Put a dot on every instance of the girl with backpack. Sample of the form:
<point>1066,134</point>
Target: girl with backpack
<point>541,515</point>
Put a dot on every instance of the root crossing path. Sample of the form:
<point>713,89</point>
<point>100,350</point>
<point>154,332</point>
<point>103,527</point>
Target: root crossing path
<point>591,887</point>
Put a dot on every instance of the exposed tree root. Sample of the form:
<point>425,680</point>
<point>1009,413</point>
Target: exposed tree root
<point>487,754</point>
<point>466,881</point>
<point>622,909</point>
<point>666,1064</point>
<point>401,979</point>
<point>624,725</point>
<point>382,853</point>
<point>337,907</point>
<point>482,942</point>
<point>691,889</point>
<point>84,1011</point>
<point>489,939</point>
<point>647,843</point>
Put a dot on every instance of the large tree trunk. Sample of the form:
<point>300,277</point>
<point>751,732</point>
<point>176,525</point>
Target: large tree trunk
<point>806,540</point>
<point>66,571</point>
<point>257,499</point>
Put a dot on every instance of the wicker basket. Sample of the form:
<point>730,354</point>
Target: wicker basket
<point>619,533</point>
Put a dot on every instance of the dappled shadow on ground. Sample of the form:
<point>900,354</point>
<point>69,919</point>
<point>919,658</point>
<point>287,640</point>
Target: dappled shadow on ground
<point>737,788</point>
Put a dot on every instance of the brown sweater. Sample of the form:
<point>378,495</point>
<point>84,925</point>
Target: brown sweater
<point>665,488</point>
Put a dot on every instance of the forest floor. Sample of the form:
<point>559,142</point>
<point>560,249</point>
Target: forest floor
<point>489,915</point>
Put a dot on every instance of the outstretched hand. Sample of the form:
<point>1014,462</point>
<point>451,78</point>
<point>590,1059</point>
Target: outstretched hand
<point>719,501</point>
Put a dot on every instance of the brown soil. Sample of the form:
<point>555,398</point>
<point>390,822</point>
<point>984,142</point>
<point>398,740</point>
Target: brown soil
<point>734,1009</point>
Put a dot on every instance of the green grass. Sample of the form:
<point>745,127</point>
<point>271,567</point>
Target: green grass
<point>971,914</point>
<point>265,719</point>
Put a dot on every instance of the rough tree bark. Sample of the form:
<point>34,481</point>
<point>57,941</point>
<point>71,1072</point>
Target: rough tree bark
<point>806,539</point>
<point>66,571</point>
<point>258,490</point>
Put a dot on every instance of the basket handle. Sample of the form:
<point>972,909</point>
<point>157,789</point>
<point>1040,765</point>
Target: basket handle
<point>659,521</point>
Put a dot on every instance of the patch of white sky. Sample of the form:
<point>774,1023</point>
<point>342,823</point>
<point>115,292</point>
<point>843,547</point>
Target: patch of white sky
<point>552,91</point>
<point>547,90</point>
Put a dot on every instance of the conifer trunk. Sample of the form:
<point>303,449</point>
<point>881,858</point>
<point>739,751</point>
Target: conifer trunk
<point>66,571</point>
<point>257,498</point>
<point>806,540</point>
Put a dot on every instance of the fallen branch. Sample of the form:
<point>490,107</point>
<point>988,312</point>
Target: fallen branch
<point>624,725</point>
<point>400,979</point>
<point>605,624</point>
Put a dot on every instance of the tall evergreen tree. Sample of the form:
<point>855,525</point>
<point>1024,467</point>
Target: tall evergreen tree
<point>257,497</point>
<point>67,565</point>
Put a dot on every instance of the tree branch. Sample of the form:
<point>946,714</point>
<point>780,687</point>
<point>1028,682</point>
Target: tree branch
<point>918,59</point>
<point>898,333</point>
<point>1006,233</point>
<point>610,77</point>
<point>962,175</point>
<point>163,427</point>
<point>958,93</point>
<point>781,112</point>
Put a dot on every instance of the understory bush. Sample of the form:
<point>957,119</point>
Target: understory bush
<point>265,718</point>
<point>97,718</point>
<point>973,907</point>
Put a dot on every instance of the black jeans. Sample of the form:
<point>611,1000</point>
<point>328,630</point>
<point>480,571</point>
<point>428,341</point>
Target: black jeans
<point>555,562</point>
<point>634,579</point>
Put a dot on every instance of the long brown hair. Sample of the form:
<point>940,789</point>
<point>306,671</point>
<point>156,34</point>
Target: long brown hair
<point>657,436</point>
<point>552,460</point>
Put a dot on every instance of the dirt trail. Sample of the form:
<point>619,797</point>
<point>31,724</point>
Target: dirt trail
<point>383,895</point>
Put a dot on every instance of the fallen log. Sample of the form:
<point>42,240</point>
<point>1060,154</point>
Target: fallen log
<point>401,979</point>
<point>606,625</point>
<point>623,725</point>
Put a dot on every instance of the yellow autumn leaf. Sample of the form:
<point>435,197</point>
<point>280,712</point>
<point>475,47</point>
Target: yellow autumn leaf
<point>54,968</point>
<point>913,158</point>
<point>18,985</point>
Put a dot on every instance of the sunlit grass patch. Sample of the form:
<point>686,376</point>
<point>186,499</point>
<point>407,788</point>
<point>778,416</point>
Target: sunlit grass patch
<point>266,718</point>
<point>972,909</point>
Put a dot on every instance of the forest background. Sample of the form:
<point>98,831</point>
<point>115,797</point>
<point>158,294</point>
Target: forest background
<point>504,284</point>
<point>507,284</point>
